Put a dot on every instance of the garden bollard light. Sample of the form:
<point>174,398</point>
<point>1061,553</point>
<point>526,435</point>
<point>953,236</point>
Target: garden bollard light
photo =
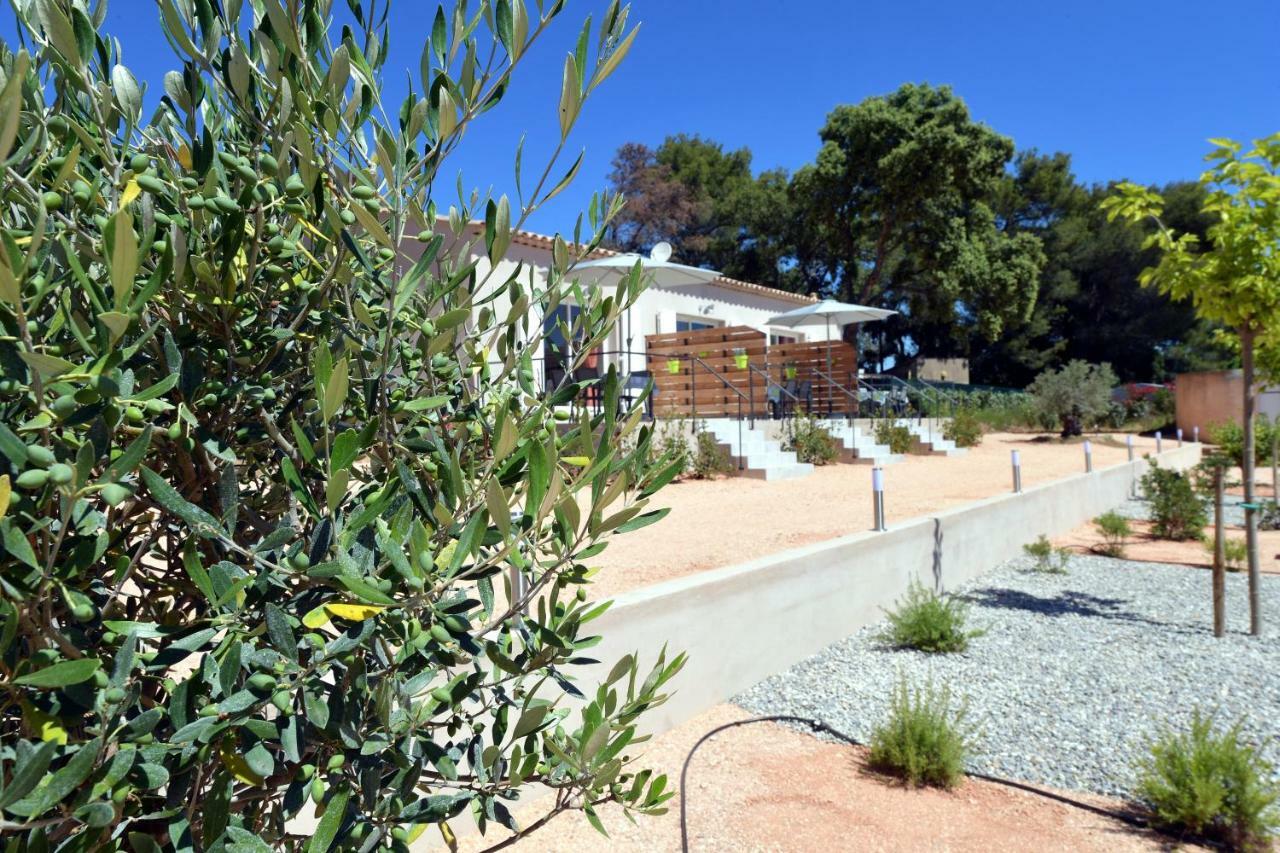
<point>877,494</point>
<point>1128,442</point>
<point>1159,443</point>
<point>1088,457</point>
<point>1179,436</point>
<point>1195,434</point>
<point>1017,472</point>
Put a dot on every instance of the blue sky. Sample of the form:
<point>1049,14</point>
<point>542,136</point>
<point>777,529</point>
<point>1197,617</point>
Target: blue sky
<point>1130,89</point>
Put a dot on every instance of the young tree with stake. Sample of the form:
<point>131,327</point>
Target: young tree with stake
<point>1233,280</point>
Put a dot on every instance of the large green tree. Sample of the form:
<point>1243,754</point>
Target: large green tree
<point>895,212</point>
<point>1090,305</point>
<point>706,202</point>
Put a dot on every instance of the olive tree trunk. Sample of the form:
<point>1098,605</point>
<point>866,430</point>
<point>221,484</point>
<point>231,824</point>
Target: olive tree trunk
<point>1250,513</point>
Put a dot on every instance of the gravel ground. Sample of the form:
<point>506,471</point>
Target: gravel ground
<point>1074,674</point>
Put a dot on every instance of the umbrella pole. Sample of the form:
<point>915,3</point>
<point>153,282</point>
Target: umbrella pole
<point>831,392</point>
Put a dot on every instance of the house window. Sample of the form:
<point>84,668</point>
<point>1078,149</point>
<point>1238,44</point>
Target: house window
<point>775,339</point>
<point>688,324</point>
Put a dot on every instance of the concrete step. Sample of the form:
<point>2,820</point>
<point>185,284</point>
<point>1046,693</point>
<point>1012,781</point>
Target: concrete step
<point>761,457</point>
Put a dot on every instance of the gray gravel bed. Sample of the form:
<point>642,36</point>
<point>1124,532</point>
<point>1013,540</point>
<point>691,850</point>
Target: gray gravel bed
<point>1074,675</point>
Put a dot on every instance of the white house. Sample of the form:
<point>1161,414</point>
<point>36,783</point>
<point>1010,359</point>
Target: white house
<point>721,302</point>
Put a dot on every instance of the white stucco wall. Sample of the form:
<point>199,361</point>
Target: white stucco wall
<point>657,310</point>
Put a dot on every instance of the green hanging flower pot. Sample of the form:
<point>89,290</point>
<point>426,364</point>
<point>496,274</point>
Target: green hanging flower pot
<point>673,365</point>
<point>790,371</point>
<point>740,358</point>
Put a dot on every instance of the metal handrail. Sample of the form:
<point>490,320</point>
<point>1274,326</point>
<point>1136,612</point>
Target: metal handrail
<point>843,390</point>
<point>908,390</point>
<point>769,380</point>
<point>695,361</point>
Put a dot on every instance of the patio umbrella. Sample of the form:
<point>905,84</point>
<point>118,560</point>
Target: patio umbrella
<point>827,311</point>
<point>658,267</point>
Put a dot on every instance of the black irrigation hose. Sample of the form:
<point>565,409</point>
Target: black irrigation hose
<point>820,726</point>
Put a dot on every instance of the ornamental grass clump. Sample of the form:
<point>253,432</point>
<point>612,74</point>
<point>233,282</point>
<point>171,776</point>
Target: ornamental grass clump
<point>1209,782</point>
<point>286,522</point>
<point>928,622</point>
<point>925,739</point>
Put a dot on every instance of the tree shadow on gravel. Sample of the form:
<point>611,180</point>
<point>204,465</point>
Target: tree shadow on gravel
<point>1070,603</point>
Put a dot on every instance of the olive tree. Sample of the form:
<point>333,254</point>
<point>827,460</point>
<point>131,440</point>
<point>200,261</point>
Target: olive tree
<point>1076,392</point>
<point>1233,279</point>
<point>295,553</point>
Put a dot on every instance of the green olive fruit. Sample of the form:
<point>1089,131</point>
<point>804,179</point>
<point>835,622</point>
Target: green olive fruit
<point>119,794</point>
<point>440,633</point>
<point>269,163</point>
<point>225,204</point>
<point>262,682</point>
<point>33,478</point>
<point>133,415</point>
<point>196,202</point>
<point>40,456</point>
<point>373,206</point>
<point>347,217</point>
<point>425,236</point>
<point>82,612</point>
<point>276,243</point>
<point>306,771</point>
<point>162,218</point>
<point>51,200</point>
<point>283,701</point>
<point>317,790</point>
<point>386,254</point>
<point>209,711</point>
<point>100,679</point>
<point>335,762</point>
<point>294,187</point>
<point>300,561</point>
<point>362,192</point>
<point>175,430</point>
<point>155,407</point>
<point>188,183</point>
<point>227,158</point>
<point>139,162</point>
<point>152,184</point>
<point>115,494</point>
<point>296,207</point>
<point>442,694</point>
<point>64,405</point>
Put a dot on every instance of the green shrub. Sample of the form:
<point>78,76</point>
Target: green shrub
<point>810,440</point>
<point>1228,439</point>
<point>672,444</point>
<point>1211,784</point>
<point>1269,517</point>
<point>268,464</point>
<point>1048,559</point>
<point>710,459</point>
<point>1115,531</point>
<point>897,437</point>
<point>1235,553</point>
<point>964,428</point>
<point>925,740</point>
<point>1076,394</point>
<point>928,622</point>
<point>1177,512</point>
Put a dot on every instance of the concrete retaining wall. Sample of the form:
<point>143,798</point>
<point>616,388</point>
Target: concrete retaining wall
<point>741,624</point>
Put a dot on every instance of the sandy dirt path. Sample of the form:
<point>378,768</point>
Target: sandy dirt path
<point>766,787</point>
<point>723,522</point>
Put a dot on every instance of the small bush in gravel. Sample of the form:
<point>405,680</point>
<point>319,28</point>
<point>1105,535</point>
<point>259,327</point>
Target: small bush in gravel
<point>925,740</point>
<point>1049,559</point>
<point>1269,518</point>
<point>965,429</point>
<point>1177,512</point>
<point>928,622</point>
<point>1115,530</point>
<point>1235,553</point>
<point>1212,784</point>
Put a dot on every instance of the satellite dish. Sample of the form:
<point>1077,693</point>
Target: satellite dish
<point>661,252</point>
